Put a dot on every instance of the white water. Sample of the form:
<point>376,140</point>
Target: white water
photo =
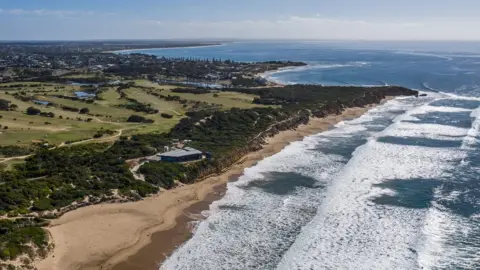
<point>350,231</point>
<point>248,221</point>
<point>336,223</point>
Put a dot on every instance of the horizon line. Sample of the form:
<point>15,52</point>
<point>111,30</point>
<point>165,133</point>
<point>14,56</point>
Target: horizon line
<point>239,39</point>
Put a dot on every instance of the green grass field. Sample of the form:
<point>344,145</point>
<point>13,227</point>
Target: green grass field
<point>158,103</point>
<point>110,97</point>
<point>32,86</point>
<point>225,98</point>
<point>25,129</point>
<point>80,76</point>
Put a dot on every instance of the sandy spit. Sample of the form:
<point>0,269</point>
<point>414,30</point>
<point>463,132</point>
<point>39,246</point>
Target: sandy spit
<point>108,236</point>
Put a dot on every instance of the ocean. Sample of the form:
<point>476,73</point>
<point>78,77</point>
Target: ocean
<point>397,188</point>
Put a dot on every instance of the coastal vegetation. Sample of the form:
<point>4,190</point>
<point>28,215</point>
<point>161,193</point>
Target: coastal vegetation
<point>24,238</point>
<point>163,174</point>
<point>13,150</point>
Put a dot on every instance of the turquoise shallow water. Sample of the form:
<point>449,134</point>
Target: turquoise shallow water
<point>397,188</point>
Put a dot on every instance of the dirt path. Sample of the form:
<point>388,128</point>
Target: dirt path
<point>105,122</point>
<point>105,139</point>
<point>14,158</point>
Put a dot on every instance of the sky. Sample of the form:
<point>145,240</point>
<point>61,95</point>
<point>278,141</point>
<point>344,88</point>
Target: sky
<point>240,19</point>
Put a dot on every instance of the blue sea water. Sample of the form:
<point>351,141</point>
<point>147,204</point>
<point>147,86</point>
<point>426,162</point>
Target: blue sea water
<point>397,188</point>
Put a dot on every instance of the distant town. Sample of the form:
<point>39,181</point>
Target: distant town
<point>97,62</point>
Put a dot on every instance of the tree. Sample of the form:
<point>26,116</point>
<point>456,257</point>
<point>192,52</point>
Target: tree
<point>84,111</point>
<point>33,111</point>
<point>13,107</point>
<point>138,119</point>
<point>4,105</point>
<point>166,115</point>
<point>47,114</point>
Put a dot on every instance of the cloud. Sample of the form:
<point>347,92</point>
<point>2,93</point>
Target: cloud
<point>98,26</point>
<point>293,27</point>
<point>49,12</point>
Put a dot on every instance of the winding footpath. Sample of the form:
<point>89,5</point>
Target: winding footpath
<point>63,144</point>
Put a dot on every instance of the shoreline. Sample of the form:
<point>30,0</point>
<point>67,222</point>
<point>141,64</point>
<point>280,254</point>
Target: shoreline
<point>118,236</point>
<point>167,48</point>
<point>267,74</point>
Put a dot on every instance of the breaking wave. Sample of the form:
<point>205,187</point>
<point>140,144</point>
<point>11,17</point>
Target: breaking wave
<point>369,194</point>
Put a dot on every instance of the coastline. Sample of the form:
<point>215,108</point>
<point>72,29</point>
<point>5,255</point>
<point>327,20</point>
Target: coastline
<point>267,74</point>
<point>167,48</point>
<point>120,236</point>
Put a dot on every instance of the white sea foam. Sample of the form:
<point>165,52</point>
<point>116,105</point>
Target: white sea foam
<point>428,108</point>
<point>430,131</point>
<point>249,220</point>
<point>250,228</point>
<point>449,241</point>
<point>474,132</point>
<point>458,97</point>
<point>426,54</point>
<point>350,231</point>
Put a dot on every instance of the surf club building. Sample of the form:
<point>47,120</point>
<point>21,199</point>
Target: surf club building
<point>181,155</point>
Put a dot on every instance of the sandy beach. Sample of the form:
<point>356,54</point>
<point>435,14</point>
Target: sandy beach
<point>140,235</point>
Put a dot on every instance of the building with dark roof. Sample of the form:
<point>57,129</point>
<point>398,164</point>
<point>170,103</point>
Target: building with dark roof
<point>181,155</point>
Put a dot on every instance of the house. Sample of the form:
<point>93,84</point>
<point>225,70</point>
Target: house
<point>41,102</point>
<point>181,155</point>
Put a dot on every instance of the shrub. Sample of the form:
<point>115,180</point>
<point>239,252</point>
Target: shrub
<point>49,114</point>
<point>166,115</point>
<point>42,205</point>
<point>33,111</point>
<point>84,111</point>
<point>4,105</point>
<point>138,119</point>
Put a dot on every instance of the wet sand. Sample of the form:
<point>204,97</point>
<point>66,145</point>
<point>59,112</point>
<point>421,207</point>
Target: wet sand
<point>163,243</point>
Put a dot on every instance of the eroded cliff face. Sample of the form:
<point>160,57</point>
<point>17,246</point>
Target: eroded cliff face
<point>303,116</point>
